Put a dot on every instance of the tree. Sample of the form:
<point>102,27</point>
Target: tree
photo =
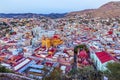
<point>86,73</point>
<point>4,69</point>
<point>56,74</point>
<point>113,72</point>
<point>81,47</point>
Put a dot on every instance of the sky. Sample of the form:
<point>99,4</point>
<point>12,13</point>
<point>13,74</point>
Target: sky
<point>48,6</point>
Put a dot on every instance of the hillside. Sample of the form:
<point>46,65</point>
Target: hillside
<point>111,9</point>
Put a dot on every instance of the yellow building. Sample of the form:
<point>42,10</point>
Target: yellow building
<point>46,43</point>
<point>56,42</point>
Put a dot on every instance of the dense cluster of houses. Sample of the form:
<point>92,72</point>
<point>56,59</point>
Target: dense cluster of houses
<point>36,48</point>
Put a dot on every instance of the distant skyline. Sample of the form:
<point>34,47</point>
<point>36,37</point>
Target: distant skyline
<point>48,6</point>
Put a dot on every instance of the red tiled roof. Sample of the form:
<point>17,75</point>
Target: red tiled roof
<point>17,58</point>
<point>19,62</point>
<point>37,49</point>
<point>5,39</point>
<point>110,32</point>
<point>104,56</point>
<point>52,50</point>
<point>12,41</point>
<point>49,63</point>
<point>92,47</point>
<point>49,56</point>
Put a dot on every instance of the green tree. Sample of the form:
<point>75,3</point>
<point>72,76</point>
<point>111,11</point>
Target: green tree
<point>4,69</point>
<point>56,74</point>
<point>86,73</point>
<point>81,47</point>
<point>113,71</point>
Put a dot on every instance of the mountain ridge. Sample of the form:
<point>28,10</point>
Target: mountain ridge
<point>31,15</point>
<point>108,10</point>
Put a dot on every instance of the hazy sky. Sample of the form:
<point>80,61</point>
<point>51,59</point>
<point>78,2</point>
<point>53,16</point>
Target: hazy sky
<point>48,6</point>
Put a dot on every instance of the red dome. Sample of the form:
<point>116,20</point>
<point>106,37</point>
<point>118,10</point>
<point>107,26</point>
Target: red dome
<point>83,54</point>
<point>56,36</point>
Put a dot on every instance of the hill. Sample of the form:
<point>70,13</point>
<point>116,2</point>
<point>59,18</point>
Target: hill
<point>108,10</point>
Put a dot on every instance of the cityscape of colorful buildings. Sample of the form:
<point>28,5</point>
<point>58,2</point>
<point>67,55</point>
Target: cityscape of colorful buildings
<point>34,47</point>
